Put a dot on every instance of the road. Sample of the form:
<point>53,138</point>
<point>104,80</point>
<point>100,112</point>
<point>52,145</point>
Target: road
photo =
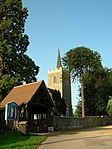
<point>93,138</point>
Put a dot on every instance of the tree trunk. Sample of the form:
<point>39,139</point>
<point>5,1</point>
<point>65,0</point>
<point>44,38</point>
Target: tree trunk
<point>82,95</point>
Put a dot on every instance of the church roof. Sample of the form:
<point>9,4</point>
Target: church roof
<point>22,94</point>
<point>58,59</point>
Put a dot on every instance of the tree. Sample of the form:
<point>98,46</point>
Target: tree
<point>16,65</point>
<point>59,103</point>
<point>104,91</point>
<point>79,61</point>
<point>92,86</point>
<point>97,90</point>
<point>78,109</point>
<point>109,107</point>
<point>0,67</point>
<point>62,107</point>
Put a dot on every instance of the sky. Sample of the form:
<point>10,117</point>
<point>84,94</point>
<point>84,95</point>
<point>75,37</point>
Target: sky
<point>67,24</point>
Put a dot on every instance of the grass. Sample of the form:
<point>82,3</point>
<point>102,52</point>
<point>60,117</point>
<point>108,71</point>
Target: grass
<point>11,139</point>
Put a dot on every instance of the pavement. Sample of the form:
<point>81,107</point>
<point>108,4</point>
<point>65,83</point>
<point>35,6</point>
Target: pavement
<point>91,138</point>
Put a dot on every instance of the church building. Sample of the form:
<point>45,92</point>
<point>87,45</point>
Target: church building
<point>56,80</point>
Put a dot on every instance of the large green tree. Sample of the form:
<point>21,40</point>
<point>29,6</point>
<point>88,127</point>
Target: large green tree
<point>97,90</point>
<point>15,65</point>
<point>79,61</point>
<point>93,92</point>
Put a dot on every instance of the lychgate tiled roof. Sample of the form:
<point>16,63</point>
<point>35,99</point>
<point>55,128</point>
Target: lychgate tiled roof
<point>22,94</point>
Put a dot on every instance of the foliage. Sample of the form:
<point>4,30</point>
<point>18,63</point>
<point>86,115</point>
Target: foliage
<point>7,83</point>
<point>80,61</point>
<point>59,103</point>
<point>16,65</point>
<point>63,107</point>
<point>97,90</point>
<point>78,109</point>
<point>11,139</point>
<point>109,107</point>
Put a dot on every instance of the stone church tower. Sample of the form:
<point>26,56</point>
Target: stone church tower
<point>55,81</point>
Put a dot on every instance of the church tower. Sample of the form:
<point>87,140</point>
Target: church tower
<point>56,81</point>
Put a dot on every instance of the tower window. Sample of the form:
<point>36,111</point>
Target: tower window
<point>54,79</point>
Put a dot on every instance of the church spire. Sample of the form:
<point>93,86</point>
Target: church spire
<point>58,59</point>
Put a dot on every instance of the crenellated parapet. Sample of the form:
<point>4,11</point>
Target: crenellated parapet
<point>55,70</point>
